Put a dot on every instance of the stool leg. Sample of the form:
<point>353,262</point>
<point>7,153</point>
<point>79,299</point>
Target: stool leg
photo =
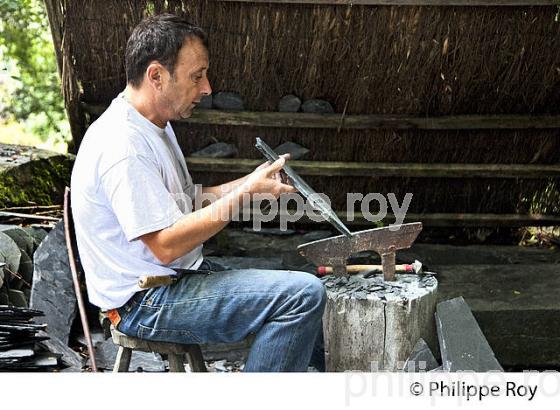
<point>176,362</point>
<point>122,362</point>
<point>196,361</point>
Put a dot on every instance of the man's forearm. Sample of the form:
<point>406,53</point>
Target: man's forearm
<point>195,228</point>
<point>213,193</point>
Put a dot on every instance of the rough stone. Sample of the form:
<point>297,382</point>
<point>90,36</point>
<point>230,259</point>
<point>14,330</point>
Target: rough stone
<point>421,359</point>
<point>37,234</point>
<point>17,298</point>
<point>296,151</point>
<point>289,103</point>
<point>96,337</point>
<point>25,271</point>
<point>217,150</point>
<point>23,240</point>
<point>29,174</point>
<point>9,253</point>
<point>106,353</point>
<point>462,343</point>
<point>316,106</point>
<point>4,299</point>
<point>205,102</point>
<point>52,289</point>
<point>228,101</point>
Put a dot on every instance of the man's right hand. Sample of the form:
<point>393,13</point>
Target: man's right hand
<point>263,180</point>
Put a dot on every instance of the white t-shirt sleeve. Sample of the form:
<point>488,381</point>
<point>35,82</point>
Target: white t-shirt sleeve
<point>138,197</point>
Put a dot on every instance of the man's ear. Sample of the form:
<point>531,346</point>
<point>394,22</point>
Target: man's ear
<point>154,74</point>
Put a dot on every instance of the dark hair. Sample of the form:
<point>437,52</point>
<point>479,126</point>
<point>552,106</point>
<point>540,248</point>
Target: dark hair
<point>158,38</point>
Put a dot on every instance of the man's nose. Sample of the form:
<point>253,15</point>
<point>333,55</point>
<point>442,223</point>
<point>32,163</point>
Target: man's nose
<point>206,89</point>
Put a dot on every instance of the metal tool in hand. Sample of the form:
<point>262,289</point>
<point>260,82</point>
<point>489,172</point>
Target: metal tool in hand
<point>316,201</point>
<point>385,241</point>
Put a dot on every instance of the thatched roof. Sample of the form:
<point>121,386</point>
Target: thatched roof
<point>417,60</point>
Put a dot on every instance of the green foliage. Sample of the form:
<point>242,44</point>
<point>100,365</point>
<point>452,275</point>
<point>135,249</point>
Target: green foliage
<point>31,90</point>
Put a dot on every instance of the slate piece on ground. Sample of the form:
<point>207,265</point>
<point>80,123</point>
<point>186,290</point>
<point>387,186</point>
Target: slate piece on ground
<point>296,151</point>
<point>289,103</point>
<point>228,101</point>
<point>69,357</point>
<point>106,353</point>
<point>462,343</point>
<point>9,253</point>
<point>421,359</point>
<point>217,150</point>
<point>241,262</point>
<point>53,290</point>
<point>317,106</point>
<point>205,102</point>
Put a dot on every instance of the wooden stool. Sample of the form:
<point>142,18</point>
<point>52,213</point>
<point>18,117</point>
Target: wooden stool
<point>175,353</point>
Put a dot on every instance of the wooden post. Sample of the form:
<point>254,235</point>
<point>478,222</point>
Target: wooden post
<point>372,325</point>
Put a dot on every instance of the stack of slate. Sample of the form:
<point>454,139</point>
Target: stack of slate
<point>18,338</point>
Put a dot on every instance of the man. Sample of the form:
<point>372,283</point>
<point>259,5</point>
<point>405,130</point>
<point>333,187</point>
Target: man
<point>132,200</point>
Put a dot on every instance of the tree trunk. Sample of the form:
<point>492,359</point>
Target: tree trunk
<point>372,325</point>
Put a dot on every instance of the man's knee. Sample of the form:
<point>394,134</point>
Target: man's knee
<point>315,294</point>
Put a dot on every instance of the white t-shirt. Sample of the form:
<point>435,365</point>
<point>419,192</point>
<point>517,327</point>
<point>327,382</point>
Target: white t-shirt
<point>130,178</point>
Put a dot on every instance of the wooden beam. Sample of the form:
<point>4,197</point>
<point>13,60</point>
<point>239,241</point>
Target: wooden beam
<point>410,2</point>
<point>381,169</point>
<point>442,220</point>
<point>368,121</point>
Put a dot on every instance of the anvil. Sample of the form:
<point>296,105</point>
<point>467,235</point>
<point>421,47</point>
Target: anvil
<point>385,241</point>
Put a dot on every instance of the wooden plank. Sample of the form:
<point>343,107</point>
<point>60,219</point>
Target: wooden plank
<point>410,2</point>
<point>381,169</point>
<point>362,121</point>
<point>438,220</point>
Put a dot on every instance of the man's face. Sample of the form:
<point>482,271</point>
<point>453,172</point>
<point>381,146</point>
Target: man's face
<point>189,82</point>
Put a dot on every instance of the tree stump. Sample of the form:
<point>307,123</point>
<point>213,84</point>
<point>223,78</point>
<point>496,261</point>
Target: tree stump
<point>372,325</point>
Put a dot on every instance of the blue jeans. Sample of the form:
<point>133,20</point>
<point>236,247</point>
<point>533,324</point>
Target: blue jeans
<point>283,308</point>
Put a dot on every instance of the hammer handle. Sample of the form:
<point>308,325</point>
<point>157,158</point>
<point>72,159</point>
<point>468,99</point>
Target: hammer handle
<point>147,282</point>
<point>327,270</point>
